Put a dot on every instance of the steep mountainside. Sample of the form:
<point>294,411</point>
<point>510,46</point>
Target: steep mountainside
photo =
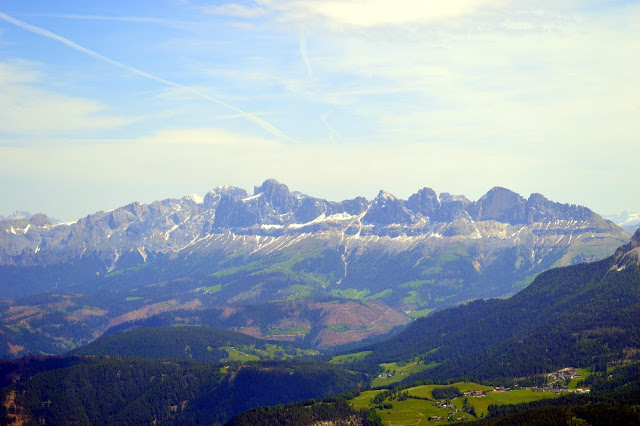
<point>381,261</point>
<point>582,315</point>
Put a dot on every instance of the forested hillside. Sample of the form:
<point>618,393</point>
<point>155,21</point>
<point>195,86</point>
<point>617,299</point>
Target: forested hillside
<point>582,315</point>
<point>111,390</point>
<point>188,342</point>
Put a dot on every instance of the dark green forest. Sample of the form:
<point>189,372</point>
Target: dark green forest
<point>335,410</point>
<point>113,390</point>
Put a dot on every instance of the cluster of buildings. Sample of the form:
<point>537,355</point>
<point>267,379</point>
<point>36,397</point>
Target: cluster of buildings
<point>556,382</point>
<point>443,404</point>
<point>564,374</point>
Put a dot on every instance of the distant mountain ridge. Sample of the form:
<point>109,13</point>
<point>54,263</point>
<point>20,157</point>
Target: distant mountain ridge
<point>627,220</point>
<point>174,225</point>
<point>16,215</point>
<point>353,269</point>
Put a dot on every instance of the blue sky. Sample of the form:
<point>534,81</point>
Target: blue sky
<point>104,103</point>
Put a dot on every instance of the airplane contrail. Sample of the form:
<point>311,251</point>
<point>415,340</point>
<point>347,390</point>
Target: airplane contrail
<point>48,34</point>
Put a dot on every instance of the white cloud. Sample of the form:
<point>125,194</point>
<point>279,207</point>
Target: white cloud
<point>356,13</point>
<point>374,13</point>
<point>235,10</point>
<point>27,109</point>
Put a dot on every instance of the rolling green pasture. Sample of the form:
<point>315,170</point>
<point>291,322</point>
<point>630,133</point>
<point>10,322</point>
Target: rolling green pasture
<point>584,373</point>
<point>400,372</point>
<point>413,411</point>
<point>349,358</point>
<point>420,313</point>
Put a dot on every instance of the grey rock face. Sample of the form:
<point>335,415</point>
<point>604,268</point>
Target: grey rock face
<point>541,209</point>
<point>502,205</point>
<point>424,202</point>
<point>452,207</point>
<point>387,209</point>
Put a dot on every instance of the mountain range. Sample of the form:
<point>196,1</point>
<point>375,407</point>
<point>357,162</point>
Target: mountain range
<point>335,272</point>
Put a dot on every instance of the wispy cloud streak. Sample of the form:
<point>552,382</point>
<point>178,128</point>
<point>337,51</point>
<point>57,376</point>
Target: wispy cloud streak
<point>134,19</point>
<point>333,133</point>
<point>48,34</point>
<point>305,55</point>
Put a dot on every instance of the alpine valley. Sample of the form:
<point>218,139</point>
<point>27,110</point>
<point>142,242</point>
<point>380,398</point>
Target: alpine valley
<point>563,351</point>
<point>280,265</point>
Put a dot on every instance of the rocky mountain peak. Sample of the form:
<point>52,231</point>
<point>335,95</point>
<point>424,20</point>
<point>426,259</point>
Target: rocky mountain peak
<point>501,204</point>
<point>387,209</point>
<point>193,198</point>
<point>16,215</point>
<point>424,202</point>
<point>277,195</point>
<point>275,211</point>
<point>212,198</point>
<point>384,195</point>
<point>540,209</point>
<point>452,207</point>
<point>40,219</point>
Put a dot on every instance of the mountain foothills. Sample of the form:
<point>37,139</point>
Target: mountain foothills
<point>279,264</point>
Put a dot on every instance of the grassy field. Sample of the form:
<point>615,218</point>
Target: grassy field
<point>306,352</point>
<point>382,294</point>
<point>413,411</point>
<point>424,391</point>
<point>299,292</point>
<point>349,358</point>
<point>399,372</point>
<point>209,290</point>
<point>584,373</point>
<point>420,313</point>
<point>289,331</point>
<point>363,401</point>
<point>251,353</point>
<point>239,355</point>
<point>351,293</point>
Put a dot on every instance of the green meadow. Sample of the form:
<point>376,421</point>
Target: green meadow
<point>399,372</point>
<point>349,358</point>
<point>420,405</point>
